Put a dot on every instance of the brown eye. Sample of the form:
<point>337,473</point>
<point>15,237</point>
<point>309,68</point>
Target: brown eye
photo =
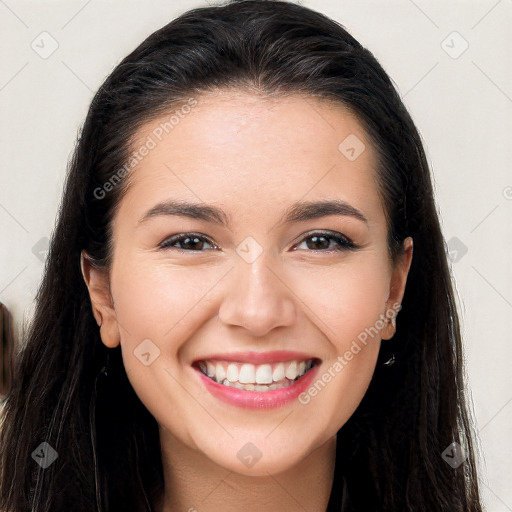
<point>188,242</point>
<point>322,242</point>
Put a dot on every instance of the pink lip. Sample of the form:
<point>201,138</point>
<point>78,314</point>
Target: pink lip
<point>259,399</point>
<point>275,356</point>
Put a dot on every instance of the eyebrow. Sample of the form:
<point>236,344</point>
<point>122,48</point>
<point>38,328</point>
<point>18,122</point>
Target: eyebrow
<point>297,212</point>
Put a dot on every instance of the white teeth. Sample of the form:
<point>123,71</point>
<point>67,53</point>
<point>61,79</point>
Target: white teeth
<point>291,371</point>
<point>278,373</point>
<point>264,374</point>
<point>232,373</point>
<point>220,372</point>
<point>263,377</point>
<point>247,374</point>
<point>210,369</point>
<point>255,387</point>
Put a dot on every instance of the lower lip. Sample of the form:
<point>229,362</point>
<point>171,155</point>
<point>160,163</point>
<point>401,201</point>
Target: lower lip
<point>258,399</point>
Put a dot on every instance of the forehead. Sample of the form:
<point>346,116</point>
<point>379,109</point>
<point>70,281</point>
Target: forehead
<point>246,149</point>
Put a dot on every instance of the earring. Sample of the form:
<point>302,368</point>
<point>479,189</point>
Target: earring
<point>390,361</point>
<point>104,371</point>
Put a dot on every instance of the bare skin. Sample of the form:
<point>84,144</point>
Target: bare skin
<point>252,157</point>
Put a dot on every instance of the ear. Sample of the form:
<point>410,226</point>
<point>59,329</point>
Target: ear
<point>397,288</point>
<point>98,284</point>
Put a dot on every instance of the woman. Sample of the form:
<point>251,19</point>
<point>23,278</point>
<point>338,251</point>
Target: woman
<point>217,325</point>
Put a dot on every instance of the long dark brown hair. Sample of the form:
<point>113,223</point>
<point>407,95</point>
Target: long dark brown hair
<point>389,454</point>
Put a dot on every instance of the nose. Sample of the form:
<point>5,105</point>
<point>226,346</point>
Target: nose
<point>257,299</point>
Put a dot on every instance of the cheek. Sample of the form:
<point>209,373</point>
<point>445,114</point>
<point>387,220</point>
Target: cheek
<point>347,304</point>
<point>158,307</point>
<point>154,298</point>
<point>167,305</point>
<point>160,302</point>
<point>345,300</point>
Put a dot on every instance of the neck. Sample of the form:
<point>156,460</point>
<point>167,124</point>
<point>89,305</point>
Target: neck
<point>194,483</point>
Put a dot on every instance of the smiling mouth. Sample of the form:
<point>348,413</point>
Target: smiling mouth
<point>250,377</point>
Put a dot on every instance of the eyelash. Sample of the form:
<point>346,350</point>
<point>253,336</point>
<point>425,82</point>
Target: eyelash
<point>344,242</point>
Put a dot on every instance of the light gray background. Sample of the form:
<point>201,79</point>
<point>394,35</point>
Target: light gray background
<point>460,100</point>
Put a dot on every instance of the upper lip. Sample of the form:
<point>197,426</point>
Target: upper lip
<point>275,356</point>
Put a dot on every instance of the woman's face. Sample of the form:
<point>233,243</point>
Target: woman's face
<point>257,291</point>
